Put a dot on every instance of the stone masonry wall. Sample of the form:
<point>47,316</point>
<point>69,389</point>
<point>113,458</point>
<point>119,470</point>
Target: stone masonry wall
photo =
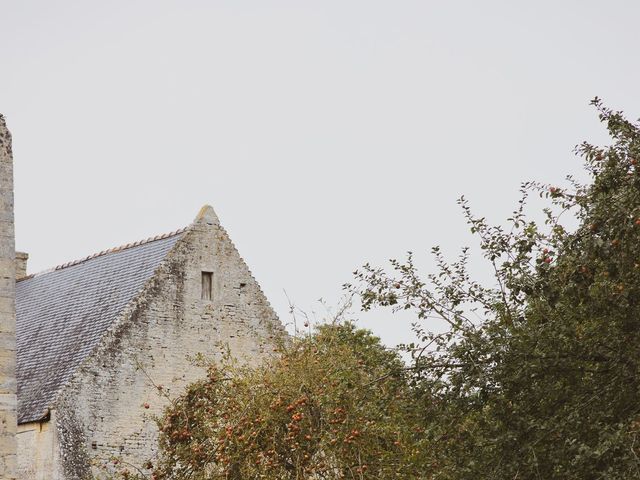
<point>101,414</point>
<point>7,310</point>
<point>37,450</point>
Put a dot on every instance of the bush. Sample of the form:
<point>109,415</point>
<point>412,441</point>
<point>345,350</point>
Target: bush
<point>333,405</point>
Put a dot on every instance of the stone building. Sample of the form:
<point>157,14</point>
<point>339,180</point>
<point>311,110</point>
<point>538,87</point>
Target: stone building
<point>102,343</point>
<point>7,311</point>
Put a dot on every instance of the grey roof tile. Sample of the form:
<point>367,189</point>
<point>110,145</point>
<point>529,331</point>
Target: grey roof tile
<point>62,314</point>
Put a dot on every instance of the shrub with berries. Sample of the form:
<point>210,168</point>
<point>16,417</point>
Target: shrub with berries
<point>334,404</point>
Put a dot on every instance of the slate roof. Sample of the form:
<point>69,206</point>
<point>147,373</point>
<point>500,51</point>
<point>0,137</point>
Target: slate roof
<point>62,314</point>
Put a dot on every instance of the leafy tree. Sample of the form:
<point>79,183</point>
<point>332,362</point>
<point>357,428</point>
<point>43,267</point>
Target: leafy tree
<point>538,375</point>
<point>334,404</point>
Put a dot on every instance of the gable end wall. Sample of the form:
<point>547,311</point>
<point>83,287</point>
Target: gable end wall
<point>100,414</point>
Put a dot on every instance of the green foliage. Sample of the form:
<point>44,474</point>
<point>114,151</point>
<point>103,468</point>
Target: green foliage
<point>537,376</point>
<point>333,405</point>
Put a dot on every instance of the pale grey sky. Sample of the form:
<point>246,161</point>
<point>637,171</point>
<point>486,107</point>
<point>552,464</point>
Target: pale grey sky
<point>325,134</point>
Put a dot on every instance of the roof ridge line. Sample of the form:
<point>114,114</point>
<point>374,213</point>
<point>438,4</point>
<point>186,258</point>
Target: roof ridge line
<point>109,250</point>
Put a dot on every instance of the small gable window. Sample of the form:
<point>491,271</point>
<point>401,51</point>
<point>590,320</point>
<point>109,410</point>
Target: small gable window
<point>207,282</point>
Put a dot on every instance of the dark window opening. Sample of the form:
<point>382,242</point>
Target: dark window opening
<point>207,281</point>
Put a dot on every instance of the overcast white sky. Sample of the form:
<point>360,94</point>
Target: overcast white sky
<point>325,134</point>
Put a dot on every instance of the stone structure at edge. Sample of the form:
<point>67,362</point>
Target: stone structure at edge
<point>102,343</point>
<point>7,311</point>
